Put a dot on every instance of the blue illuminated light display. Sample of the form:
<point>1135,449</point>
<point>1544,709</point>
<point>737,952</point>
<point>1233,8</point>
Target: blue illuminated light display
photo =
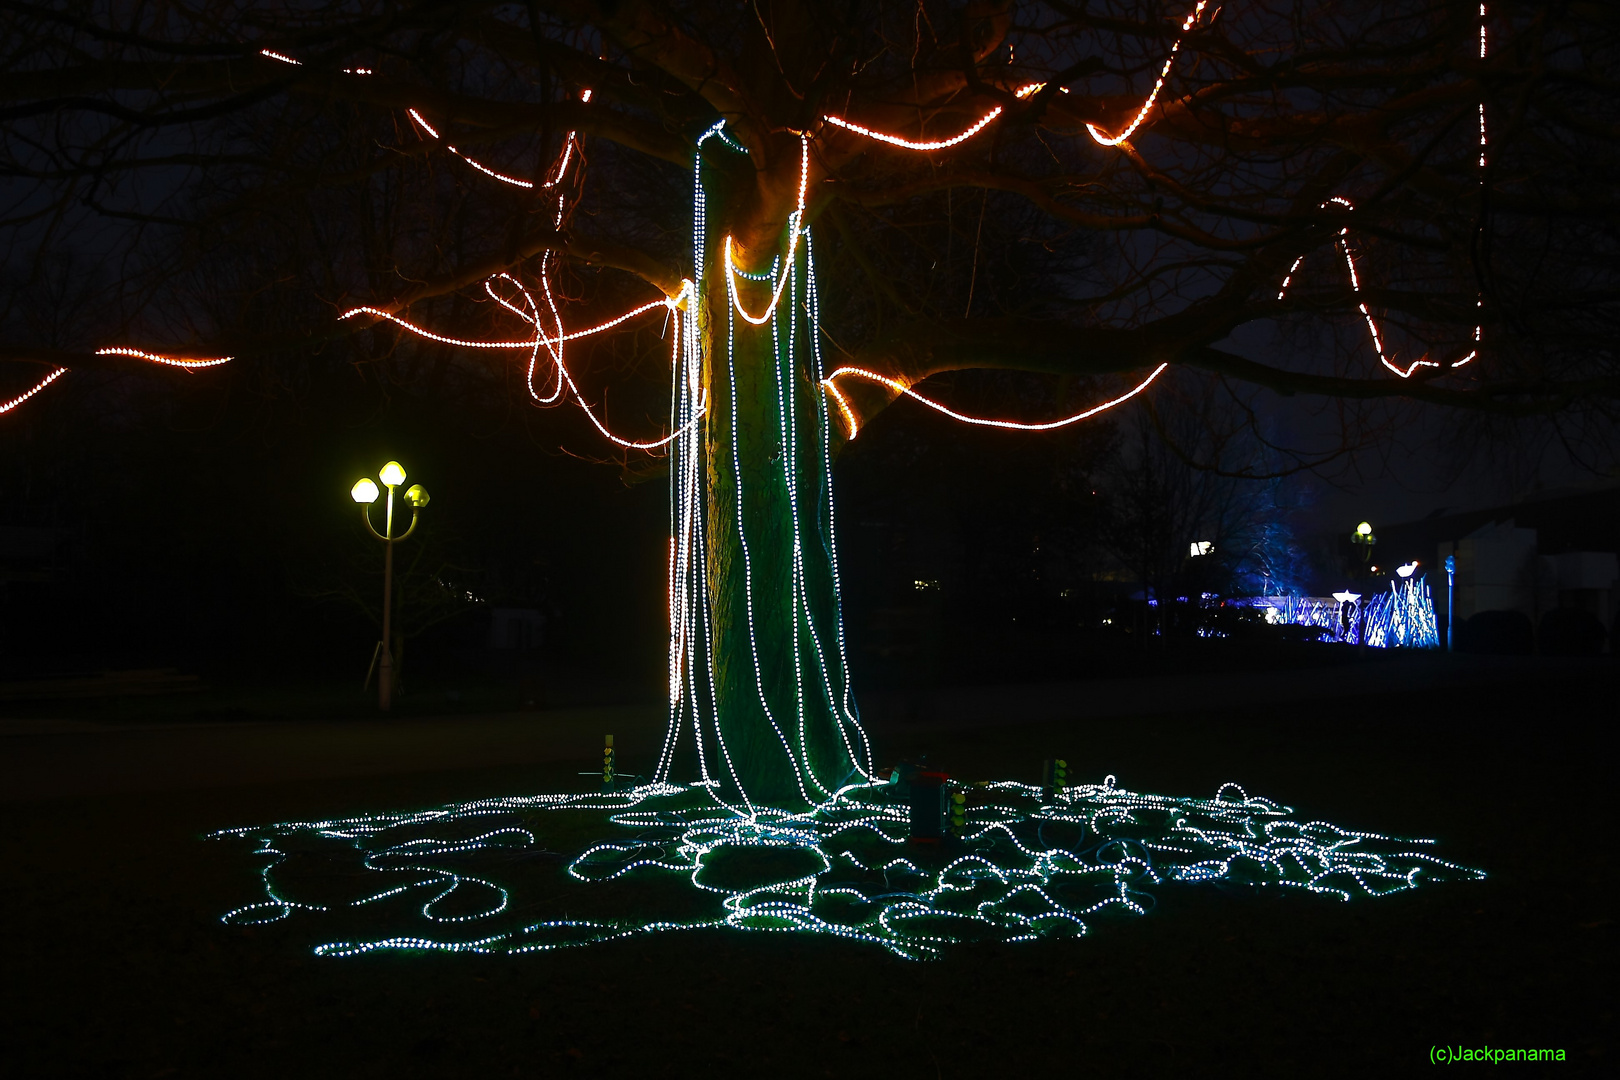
<point>1401,617</point>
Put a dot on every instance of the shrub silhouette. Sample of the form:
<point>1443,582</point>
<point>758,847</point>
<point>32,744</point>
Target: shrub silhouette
<point>1570,632</point>
<point>1497,633</point>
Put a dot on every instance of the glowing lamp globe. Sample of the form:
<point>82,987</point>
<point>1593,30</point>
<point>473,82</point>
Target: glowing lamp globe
<point>417,496</point>
<point>1364,529</point>
<point>393,474</point>
<point>364,491</point>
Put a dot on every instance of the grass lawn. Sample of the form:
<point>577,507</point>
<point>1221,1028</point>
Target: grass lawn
<point>116,963</point>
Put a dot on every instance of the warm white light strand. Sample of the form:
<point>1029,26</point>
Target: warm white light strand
<point>1343,242</point>
<point>487,171</point>
<point>7,406</point>
<point>423,124</point>
<point>936,144</point>
<point>900,387</point>
<point>171,361</point>
<point>558,170</point>
<point>911,144</point>
<point>1104,139</point>
<point>794,219</point>
<point>470,343</point>
<point>552,341</point>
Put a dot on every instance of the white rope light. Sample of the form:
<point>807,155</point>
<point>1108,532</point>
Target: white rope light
<point>1029,864</point>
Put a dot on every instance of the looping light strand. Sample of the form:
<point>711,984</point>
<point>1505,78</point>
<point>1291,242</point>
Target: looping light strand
<point>468,343</point>
<point>794,220</point>
<point>1343,242</point>
<point>900,387</point>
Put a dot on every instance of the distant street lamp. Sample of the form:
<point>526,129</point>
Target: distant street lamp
<point>365,493</point>
<point>1363,536</point>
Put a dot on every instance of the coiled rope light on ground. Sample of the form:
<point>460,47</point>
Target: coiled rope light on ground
<point>1032,864</point>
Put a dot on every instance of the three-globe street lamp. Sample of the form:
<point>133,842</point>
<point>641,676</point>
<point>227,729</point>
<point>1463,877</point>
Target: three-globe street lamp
<point>365,493</point>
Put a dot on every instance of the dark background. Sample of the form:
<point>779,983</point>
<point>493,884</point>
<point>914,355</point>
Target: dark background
<point>206,527</point>
<point>117,965</point>
<point>198,530</point>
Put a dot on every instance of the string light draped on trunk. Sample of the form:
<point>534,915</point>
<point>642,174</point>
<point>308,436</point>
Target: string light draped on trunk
<point>760,703</point>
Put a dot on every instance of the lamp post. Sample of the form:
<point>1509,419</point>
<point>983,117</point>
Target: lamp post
<point>1364,538</point>
<point>365,493</point>
<point>1451,597</point>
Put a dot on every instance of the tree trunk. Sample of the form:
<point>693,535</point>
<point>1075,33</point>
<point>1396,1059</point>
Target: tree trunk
<point>760,702</point>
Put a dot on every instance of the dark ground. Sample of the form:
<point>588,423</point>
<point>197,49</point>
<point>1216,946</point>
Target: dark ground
<point>116,964</point>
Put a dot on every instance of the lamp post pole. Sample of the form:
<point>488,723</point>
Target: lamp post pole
<point>1451,597</point>
<point>365,493</point>
<point>1363,538</point>
<point>385,669</point>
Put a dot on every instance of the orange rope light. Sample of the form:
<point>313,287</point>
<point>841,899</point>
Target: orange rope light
<point>937,144</point>
<point>42,384</point>
<point>158,358</point>
<point>901,387</point>
<point>1164,73</point>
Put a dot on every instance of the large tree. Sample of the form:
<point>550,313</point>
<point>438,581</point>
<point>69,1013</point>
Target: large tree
<point>1098,191</point>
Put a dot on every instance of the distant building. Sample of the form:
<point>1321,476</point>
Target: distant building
<point>1499,569</point>
<point>1530,557</point>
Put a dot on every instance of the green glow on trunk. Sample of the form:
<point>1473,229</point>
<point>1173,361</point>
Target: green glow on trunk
<point>761,711</point>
